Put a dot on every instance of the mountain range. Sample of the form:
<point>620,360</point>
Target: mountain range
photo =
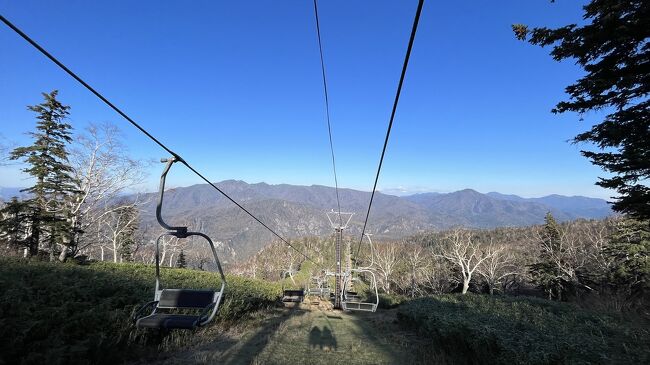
<point>295,211</point>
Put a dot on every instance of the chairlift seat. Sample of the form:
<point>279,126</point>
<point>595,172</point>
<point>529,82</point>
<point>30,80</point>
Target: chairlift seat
<point>185,298</point>
<point>292,295</point>
<point>359,306</point>
<point>169,321</point>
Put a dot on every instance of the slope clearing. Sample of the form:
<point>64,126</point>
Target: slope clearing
<point>314,336</point>
<point>80,314</point>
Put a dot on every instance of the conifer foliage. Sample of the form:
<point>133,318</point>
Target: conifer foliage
<point>47,162</point>
<point>547,273</point>
<point>15,223</point>
<point>629,250</point>
<point>181,262</point>
<point>613,49</point>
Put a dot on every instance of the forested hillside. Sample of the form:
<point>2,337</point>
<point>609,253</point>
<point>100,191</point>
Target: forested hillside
<point>300,211</point>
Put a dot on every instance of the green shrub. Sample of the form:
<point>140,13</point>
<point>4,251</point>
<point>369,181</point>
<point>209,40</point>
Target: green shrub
<point>507,330</point>
<point>66,313</point>
<point>388,301</point>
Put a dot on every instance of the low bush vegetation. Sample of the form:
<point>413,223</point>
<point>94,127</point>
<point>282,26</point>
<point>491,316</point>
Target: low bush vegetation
<point>67,313</point>
<point>508,330</point>
<point>388,301</point>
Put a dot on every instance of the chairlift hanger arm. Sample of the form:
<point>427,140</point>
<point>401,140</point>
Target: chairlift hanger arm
<point>372,253</point>
<point>163,177</point>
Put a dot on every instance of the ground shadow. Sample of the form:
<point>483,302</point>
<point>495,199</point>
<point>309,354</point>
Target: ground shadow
<point>322,340</point>
<point>246,352</point>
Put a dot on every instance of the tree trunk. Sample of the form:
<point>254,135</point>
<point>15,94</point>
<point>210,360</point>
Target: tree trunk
<point>34,239</point>
<point>64,254</point>
<point>52,246</point>
<point>465,285</point>
<point>114,251</point>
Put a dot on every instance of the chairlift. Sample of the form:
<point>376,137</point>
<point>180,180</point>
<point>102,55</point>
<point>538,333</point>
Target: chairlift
<point>291,295</point>
<point>178,308</point>
<point>350,300</point>
<point>319,286</point>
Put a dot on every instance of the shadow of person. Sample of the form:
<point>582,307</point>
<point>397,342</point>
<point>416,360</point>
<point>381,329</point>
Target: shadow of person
<point>328,341</point>
<point>315,338</point>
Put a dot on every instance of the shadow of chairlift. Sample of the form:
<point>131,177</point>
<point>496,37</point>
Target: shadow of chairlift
<point>178,308</point>
<point>351,301</point>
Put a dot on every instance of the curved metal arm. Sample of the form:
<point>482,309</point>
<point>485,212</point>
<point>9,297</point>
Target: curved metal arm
<point>223,277</point>
<point>141,309</point>
<point>372,253</point>
<point>180,230</point>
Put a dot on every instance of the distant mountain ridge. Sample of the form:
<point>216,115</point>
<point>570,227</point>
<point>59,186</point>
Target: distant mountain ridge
<point>295,211</point>
<point>575,206</point>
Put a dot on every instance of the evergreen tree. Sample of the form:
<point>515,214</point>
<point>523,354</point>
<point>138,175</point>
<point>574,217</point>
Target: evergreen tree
<point>546,273</point>
<point>130,219</point>
<point>181,262</point>
<point>612,47</point>
<point>47,160</point>
<point>629,250</point>
<point>14,223</point>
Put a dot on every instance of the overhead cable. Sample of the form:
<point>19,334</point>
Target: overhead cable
<point>392,115</point>
<point>327,109</point>
<point>145,132</point>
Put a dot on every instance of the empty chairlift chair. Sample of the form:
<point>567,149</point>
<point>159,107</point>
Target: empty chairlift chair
<point>291,295</point>
<point>179,308</point>
<point>351,301</point>
<point>319,286</point>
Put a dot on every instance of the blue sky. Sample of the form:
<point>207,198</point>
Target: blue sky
<point>235,88</point>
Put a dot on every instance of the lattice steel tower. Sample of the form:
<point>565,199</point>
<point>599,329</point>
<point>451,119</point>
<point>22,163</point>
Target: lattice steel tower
<point>339,222</point>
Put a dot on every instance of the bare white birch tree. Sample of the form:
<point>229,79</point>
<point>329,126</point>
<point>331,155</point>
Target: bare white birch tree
<point>497,266</point>
<point>464,251</point>
<point>104,172</point>
<point>386,261</point>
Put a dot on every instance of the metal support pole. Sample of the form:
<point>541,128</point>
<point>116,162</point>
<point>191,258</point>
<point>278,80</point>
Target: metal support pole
<point>348,265</point>
<point>337,279</point>
<point>339,222</point>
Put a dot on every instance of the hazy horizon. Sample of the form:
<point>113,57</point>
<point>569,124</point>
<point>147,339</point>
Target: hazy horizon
<point>389,191</point>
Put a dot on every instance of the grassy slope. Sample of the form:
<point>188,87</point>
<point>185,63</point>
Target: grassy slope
<point>308,335</point>
<point>509,330</point>
<point>65,313</point>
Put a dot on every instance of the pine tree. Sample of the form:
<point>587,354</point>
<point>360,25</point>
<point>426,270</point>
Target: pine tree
<point>612,46</point>
<point>629,249</point>
<point>130,219</point>
<point>546,273</point>
<point>14,223</point>
<point>47,160</point>
<point>181,262</point>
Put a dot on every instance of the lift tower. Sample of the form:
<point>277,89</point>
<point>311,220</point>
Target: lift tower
<point>339,222</point>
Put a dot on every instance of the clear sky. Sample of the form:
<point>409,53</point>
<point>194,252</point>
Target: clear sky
<point>235,88</point>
